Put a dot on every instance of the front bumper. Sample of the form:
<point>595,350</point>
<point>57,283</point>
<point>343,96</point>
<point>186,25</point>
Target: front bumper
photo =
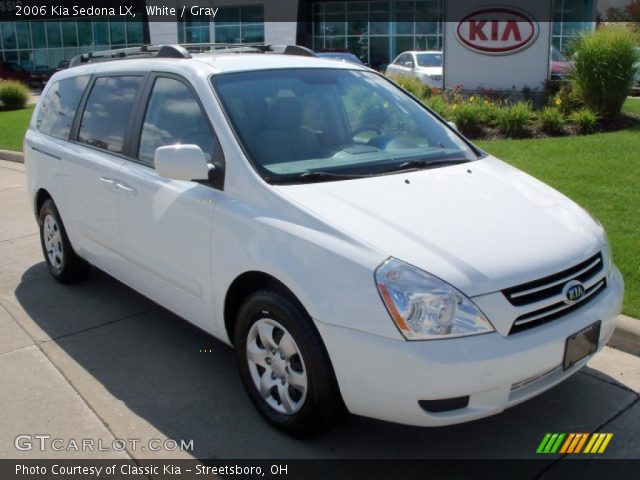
<point>385,379</point>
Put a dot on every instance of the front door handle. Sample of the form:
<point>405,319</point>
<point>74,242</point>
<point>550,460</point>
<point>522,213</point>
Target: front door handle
<point>109,182</point>
<point>126,188</point>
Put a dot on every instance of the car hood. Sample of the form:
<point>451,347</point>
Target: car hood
<point>481,226</point>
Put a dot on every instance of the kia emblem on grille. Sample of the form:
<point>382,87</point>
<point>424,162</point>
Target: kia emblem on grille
<point>573,291</point>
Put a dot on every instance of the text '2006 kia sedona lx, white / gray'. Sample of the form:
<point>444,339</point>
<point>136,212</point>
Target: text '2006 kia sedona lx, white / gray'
<point>352,246</point>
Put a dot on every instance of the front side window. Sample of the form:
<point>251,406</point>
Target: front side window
<point>107,111</point>
<point>402,59</point>
<point>173,117</point>
<point>304,124</point>
<point>58,107</point>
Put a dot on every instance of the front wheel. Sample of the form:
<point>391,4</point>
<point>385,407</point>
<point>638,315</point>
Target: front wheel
<point>284,365</point>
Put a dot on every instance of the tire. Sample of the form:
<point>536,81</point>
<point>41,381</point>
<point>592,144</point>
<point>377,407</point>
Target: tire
<point>62,261</point>
<point>300,395</point>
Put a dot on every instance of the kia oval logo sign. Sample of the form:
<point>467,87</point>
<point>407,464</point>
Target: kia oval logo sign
<point>573,291</point>
<point>497,31</point>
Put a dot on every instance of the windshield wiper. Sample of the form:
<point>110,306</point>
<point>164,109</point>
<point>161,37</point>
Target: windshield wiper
<point>420,164</point>
<point>312,176</point>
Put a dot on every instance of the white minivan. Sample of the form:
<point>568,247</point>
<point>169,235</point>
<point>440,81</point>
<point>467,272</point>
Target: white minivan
<point>353,247</point>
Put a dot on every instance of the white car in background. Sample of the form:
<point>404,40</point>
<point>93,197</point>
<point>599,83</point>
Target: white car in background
<point>427,66</point>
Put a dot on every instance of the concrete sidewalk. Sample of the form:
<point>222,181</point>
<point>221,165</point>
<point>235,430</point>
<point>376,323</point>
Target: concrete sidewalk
<point>96,360</point>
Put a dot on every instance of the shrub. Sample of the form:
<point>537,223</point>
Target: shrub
<point>488,110</point>
<point>604,69</point>
<point>552,120</point>
<point>413,85</point>
<point>13,95</point>
<point>513,120</point>
<point>566,100</point>
<point>467,116</point>
<point>438,105</point>
<point>585,119</point>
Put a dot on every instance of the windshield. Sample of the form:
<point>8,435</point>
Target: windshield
<point>429,59</point>
<point>556,56</point>
<point>327,124</point>
<point>341,56</point>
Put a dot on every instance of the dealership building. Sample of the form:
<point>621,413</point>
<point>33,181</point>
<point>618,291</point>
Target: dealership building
<point>374,30</point>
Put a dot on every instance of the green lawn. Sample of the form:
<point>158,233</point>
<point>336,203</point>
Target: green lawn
<point>602,173</point>
<point>632,105</point>
<point>13,125</point>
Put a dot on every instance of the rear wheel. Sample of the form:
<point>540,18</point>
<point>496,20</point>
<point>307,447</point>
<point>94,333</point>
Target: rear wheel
<point>62,261</point>
<point>284,365</point>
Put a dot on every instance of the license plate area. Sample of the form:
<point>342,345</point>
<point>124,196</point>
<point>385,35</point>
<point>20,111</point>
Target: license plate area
<point>581,344</point>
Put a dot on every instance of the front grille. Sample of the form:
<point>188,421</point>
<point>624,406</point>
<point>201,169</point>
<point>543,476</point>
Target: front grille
<point>542,301</point>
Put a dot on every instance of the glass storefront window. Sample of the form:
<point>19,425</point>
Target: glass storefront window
<point>240,25</point>
<point>569,21</point>
<point>376,31</point>
<point>253,33</point>
<point>54,37</point>
<point>22,35</point>
<point>101,32</point>
<point>116,29</point>
<point>38,37</point>
<point>228,34</point>
<point>85,33</point>
<point>69,34</point>
<point>47,42</point>
<point>8,33</point>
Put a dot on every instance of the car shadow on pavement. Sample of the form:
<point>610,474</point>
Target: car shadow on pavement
<point>185,384</point>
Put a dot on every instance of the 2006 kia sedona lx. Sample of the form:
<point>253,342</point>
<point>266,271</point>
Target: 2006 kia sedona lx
<point>352,246</point>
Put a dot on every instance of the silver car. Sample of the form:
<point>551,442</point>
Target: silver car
<point>426,65</point>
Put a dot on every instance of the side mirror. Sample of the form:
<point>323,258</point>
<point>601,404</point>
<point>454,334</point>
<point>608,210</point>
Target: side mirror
<point>453,125</point>
<point>182,162</point>
<point>409,64</point>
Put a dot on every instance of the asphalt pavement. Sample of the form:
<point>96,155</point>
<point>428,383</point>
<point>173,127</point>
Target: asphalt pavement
<point>98,361</point>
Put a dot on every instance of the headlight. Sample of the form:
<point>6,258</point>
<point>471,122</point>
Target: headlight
<point>424,307</point>
<point>433,76</point>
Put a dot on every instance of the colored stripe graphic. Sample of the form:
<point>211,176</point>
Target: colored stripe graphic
<point>573,443</point>
<point>565,447</point>
<point>607,439</point>
<point>544,441</point>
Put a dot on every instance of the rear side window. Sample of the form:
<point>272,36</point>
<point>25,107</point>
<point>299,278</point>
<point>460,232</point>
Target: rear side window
<point>107,111</point>
<point>173,117</point>
<point>58,108</point>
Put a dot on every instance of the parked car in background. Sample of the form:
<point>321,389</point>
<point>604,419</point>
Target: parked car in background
<point>560,66</point>
<point>13,71</point>
<point>343,56</point>
<point>427,66</point>
<point>41,74</point>
<point>63,65</point>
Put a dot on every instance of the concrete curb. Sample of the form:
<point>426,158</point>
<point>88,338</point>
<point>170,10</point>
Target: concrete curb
<point>626,336</point>
<point>11,156</point>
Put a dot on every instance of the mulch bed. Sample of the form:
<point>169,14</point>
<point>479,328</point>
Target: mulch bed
<point>624,121</point>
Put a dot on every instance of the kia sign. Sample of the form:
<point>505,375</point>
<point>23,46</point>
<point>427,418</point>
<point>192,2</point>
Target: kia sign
<point>497,47</point>
<point>497,31</point>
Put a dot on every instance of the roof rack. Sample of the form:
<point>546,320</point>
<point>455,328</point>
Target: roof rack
<point>184,51</point>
